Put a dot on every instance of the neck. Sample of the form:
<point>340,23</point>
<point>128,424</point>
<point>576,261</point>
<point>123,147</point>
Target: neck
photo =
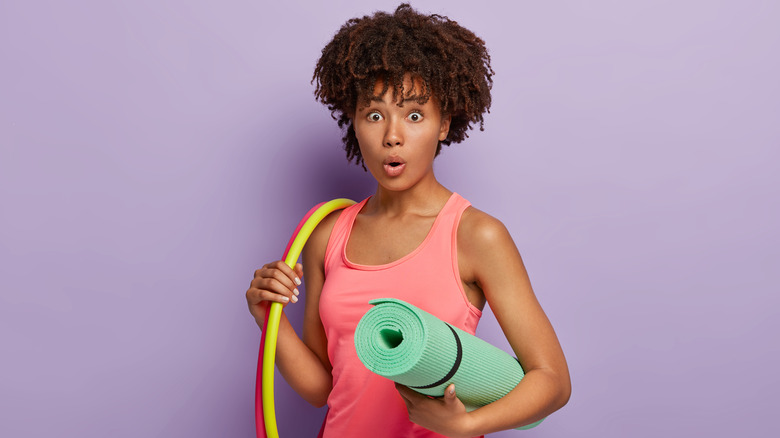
<point>426,197</point>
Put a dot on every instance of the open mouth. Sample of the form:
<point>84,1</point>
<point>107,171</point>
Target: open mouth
<point>394,165</point>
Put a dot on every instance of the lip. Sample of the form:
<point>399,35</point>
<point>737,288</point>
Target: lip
<point>390,169</point>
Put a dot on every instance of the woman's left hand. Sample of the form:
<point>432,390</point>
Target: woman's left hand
<point>445,415</point>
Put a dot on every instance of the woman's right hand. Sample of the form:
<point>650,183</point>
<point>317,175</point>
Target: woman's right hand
<point>274,282</point>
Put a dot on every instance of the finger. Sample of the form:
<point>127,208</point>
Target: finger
<point>263,277</point>
<point>289,272</point>
<point>299,270</point>
<point>402,391</point>
<point>449,394</point>
<point>410,394</point>
<point>286,270</point>
<point>274,286</point>
<point>257,296</point>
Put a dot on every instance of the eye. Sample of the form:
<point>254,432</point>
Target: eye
<point>415,116</point>
<point>374,116</point>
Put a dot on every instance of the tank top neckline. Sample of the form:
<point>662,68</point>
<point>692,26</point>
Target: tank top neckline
<point>351,224</point>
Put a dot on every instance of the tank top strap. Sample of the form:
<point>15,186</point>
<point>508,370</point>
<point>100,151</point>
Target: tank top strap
<point>455,208</point>
<point>442,244</point>
<point>340,232</point>
<point>458,208</point>
<point>446,232</point>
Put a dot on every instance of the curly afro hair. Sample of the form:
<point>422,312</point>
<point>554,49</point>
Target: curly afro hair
<point>452,63</point>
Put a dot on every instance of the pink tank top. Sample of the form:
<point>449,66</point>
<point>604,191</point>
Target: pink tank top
<point>363,404</point>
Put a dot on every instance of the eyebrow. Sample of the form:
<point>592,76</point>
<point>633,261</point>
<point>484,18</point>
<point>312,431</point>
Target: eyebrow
<point>408,99</point>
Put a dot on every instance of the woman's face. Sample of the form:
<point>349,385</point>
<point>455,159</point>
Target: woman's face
<point>398,143</point>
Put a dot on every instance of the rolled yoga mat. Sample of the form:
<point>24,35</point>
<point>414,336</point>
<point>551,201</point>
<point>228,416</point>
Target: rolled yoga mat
<point>414,348</point>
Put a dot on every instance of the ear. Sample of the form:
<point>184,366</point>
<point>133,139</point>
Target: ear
<point>444,129</point>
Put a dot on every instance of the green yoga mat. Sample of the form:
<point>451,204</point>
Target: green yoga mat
<point>414,348</point>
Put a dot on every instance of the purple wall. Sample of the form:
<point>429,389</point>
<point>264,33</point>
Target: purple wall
<point>154,153</point>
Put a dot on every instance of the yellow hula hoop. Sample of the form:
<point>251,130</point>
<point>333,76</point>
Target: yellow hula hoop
<point>272,329</point>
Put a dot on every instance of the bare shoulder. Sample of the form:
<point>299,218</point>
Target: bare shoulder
<point>314,250</point>
<point>480,231</point>
<point>485,249</point>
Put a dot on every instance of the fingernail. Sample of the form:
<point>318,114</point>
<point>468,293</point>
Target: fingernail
<point>452,390</point>
<point>295,291</point>
<point>297,281</point>
<point>294,299</point>
<point>285,299</point>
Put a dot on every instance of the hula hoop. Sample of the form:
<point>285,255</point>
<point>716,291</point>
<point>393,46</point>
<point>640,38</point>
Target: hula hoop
<point>265,410</point>
<point>259,422</point>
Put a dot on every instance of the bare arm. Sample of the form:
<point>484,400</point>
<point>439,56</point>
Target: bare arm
<point>496,268</point>
<point>501,275</point>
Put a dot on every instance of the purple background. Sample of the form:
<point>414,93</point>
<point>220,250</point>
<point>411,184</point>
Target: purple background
<point>154,153</point>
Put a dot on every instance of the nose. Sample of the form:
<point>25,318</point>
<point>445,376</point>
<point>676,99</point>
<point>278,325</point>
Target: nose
<point>394,134</point>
